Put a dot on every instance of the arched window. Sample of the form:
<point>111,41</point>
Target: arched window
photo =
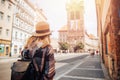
<point>77,15</point>
<point>72,15</point>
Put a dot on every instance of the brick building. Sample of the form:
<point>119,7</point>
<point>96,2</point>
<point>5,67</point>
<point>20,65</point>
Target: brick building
<point>108,12</point>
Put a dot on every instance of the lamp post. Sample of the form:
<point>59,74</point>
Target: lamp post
<point>74,45</point>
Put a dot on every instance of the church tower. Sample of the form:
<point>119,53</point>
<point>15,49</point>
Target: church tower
<point>75,21</point>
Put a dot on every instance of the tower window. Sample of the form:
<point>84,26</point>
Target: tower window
<point>72,15</point>
<point>77,15</point>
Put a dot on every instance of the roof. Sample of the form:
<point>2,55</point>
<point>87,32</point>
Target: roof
<point>64,28</point>
<point>91,36</point>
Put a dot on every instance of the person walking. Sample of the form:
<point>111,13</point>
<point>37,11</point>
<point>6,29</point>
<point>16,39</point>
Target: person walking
<point>42,66</point>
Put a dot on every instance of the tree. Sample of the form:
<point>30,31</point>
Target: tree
<point>64,45</point>
<point>79,46</point>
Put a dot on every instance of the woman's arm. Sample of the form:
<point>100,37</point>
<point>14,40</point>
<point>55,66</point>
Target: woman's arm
<point>49,64</point>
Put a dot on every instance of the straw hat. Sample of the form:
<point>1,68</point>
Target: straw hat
<point>42,29</point>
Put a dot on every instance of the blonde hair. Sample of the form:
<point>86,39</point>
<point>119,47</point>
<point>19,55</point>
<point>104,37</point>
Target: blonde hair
<point>33,40</point>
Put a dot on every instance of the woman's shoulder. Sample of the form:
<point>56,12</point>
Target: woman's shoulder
<point>49,49</point>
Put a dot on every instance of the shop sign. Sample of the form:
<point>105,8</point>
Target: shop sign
<point>2,48</point>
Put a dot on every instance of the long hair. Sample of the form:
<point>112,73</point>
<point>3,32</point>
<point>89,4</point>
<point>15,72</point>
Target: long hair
<point>34,40</point>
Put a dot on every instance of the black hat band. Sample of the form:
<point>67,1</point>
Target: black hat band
<point>42,31</point>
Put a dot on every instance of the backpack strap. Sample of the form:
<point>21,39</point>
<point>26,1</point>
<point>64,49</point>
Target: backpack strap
<point>41,56</point>
<point>43,60</point>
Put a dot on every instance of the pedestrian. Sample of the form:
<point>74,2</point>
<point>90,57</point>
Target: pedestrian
<point>42,66</point>
<point>97,52</point>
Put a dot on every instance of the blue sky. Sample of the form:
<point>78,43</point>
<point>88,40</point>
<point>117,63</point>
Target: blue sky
<point>55,11</point>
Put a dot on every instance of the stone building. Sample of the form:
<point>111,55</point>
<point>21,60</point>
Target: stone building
<point>26,15</point>
<point>6,17</point>
<point>63,34</point>
<point>39,15</point>
<point>75,23</point>
<point>23,24</point>
<point>17,23</point>
<point>91,42</point>
<point>108,12</point>
<point>55,45</point>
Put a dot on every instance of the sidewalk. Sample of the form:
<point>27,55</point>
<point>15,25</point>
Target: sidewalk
<point>58,56</point>
<point>62,56</point>
<point>8,58</point>
<point>88,69</point>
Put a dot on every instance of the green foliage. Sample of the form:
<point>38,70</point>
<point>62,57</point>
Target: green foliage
<point>79,46</point>
<point>64,45</point>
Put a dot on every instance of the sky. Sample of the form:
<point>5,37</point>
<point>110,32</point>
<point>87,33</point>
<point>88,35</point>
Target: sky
<point>55,12</point>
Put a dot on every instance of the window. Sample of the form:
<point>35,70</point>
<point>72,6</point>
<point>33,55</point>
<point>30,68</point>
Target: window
<point>9,6</point>
<point>8,18</point>
<point>21,35</point>
<point>25,36</point>
<point>71,24</point>
<point>77,15</point>
<point>15,35</point>
<point>72,15</point>
<point>7,32</point>
<point>2,48</point>
<point>1,15</point>
<point>0,30</point>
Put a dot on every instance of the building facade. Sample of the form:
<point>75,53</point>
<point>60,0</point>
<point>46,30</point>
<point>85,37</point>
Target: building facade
<point>17,23</point>
<point>55,45</point>
<point>39,15</point>
<point>108,12</point>
<point>26,15</point>
<point>23,24</point>
<point>63,34</point>
<point>91,42</point>
<point>75,22</point>
<point>6,17</point>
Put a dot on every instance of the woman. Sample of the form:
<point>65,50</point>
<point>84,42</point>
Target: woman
<point>42,54</point>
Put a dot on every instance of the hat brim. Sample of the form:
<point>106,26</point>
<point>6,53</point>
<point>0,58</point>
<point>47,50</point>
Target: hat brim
<point>44,34</point>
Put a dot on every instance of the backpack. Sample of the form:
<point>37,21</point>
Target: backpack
<point>28,70</point>
<point>23,68</point>
<point>26,54</point>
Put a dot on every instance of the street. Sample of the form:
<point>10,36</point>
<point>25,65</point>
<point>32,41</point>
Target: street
<point>83,67</point>
<point>68,67</point>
